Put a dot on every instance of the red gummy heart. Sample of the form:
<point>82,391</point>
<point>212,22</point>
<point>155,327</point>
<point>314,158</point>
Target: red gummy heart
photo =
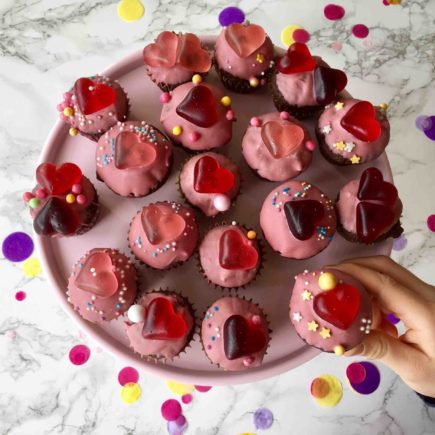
<point>338,306</point>
<point>297,59</point>
<point>242,337</point>
<point>373,220</point>
<point>161,225</point>
<point>97,275</point>
<point>373,187</point>
<point>56,217</point>
<point>93,97</point>
<point>131,152</point>
<point>303,216</point>
<point>162,322</point>
<point>210,177</point>
<point>58,181</point>
<point>361,121</point>
<point>328,83</point>
<point>245,39</point>
<point>199,107</point>
<point>235,252</point>
<point>281,139</point>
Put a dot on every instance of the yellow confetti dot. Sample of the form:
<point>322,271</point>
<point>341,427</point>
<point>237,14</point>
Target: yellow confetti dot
<point>176,131</point>
<point>251,235</point>
<point>70,198</point>
<point>327,281</point>
<point>254,82</point>
<point>179,388</point>
<point>68,111</point>
<point>32,267</point>
<point>226,101</point>
<point>339,350</point>
<point>130,392</point>
<point>130,10</point>
<point>287,34</point>
<point>73,131</point>
<point>196,79</point>
<point>333,394</point>
<point>247,433</point>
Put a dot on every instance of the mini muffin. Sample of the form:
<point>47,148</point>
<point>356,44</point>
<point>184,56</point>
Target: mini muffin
<point>93,105</point>
<point>174,58</point>
<point>235,334</point>
<point>369,209</point>
<point>102,285</point>
<point>133,158</point>
<point>161,324</point>
<point>163,234</point>
<point>197,116</point>
<point>277,147</point>
<point>353,132</point>
<point>230,256</point>
<point>244,57</point>
<point>210,182</point>
<point>304,84</point>
<point>330,310</point>
<point>298,220</point>
<point>64,202</point>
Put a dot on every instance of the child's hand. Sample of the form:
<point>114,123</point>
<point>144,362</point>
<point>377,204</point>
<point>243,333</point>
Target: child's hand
<point>396,290</point>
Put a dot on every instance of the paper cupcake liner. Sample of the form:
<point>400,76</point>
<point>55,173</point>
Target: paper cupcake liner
<point>92,214</point>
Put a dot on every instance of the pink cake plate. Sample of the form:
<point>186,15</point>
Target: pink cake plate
<point>272,288</point>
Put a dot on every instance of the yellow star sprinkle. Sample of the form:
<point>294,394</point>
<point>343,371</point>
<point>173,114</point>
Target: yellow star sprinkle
<point>306,295</point>
<point>339,105</point>
<point>325,333</point>
<point>260,58</point>
<point>312,326</point>
<point>340,145</point>
<point>355,159</point>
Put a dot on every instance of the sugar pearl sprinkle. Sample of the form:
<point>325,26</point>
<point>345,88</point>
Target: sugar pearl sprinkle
<point>217,332</point>
<point>366,325</point>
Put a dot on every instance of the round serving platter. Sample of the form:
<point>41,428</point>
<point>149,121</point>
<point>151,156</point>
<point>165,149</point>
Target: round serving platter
<point>272,288</point>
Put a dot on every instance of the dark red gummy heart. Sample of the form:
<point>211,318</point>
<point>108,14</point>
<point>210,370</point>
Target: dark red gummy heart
<point>303,216</point>
<point>235,252</point>
<point>242,337</point>
<point>210,177</point>
<point>162,322</point>
<point>297,59</point>
<point>131,152</point>
<point>338,306</point>
<point>361,121</point>
<point>58,181</point>
<point>328,83</point>
<point>56,216</point>
<point>373,187</point>
<point>373,220</point>
<point>93,97</point>
<point>199,107</point>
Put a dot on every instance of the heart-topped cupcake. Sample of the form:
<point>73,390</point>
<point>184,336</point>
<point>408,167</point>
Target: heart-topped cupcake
<point>330,310</point>
<point>369,209</point>
<point>133,158</point>
<point>102,285</point>
<point>163,234</point>
<point>277,146</point>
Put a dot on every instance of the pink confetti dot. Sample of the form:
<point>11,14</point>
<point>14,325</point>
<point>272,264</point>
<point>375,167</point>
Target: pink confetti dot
<point>356,373</point>
<point>186,398</point>
<point>431,222</point>
<point>171,409</point>
<point>20,296</point>
<point>128,374</point>
<point>79,354</point>
<point>301,35</point>
<point>334,12</point>
<point>360,31</point>
<point>202,388</point>
<point>386,2</point>
<point>11,334</point>
<point>337,46</point>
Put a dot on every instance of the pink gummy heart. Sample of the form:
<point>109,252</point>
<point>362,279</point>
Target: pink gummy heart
<point>235,252</point>
<point>163,52</point>
<point>191,55</point>
<point>361,121</point>
<point>93,97</point>
<point>131,152</point>
<point>244,39</point>
<point>281,139</point>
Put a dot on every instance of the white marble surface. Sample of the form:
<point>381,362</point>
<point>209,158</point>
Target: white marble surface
<point>45,45</point>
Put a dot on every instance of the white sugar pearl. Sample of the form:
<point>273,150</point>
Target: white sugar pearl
<point>136,313</point>
<point>222,202</point>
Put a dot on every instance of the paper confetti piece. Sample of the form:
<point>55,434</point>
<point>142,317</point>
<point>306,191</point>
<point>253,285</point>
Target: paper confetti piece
<point>130,393</point>
<point>301,35</point>
<point>171,409</point>
<point>333,12</point>
<point>17,246</point>
<point>364,379</point>
<point>179,388</point>
<point>130,10</point>
<point>263,418</point>
<point>421,122</point>
<point>177,426</point>
<point>360,31</point>
<point>326,390</point>
<point>20,296</point>
<point>79,354</point>
<point>186,398</point>
<point>287,34</point>
<point>429,127</point>
<point>32,267</point>
<point>392,318</point>
<point>337,46</point>
<point>431,222</point>
<point>202,388</point>
<point>400,243</point>
<point>128,375</point>
<point>231,15</point>
<point>356,373</point>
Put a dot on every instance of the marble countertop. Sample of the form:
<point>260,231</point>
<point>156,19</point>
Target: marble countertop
<point>45,45</point>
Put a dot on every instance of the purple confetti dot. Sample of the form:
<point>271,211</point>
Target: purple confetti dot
<point>231,15</point>
<point>392,318</point>
<point>400,243</point>
<point>420,122</point>
<point>171,409</point>
<point>431,222</point>
<point>263,418</point>
<point>371,381</point>
<point>356,373</point>
<point>301,35</point>
<point>20,296</point>
<point>17,247</point>
<point>178,426</point>
<point>429,127</point>
<point>360,31</point>
<point>333,12</point>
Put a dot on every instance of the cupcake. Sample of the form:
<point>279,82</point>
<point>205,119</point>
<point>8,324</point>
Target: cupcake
<point>93,105</point>
<point>298,220</point>
<point>102,285</point>
<point>133,158</point>
<point>353,132</point>
<point>277,147</point>
<point>230,256</point>
<point>160,324</point>
<point>64,202</point>
<point>210,182</point>
<point>369,209</point>
<point>174,58</point>
<point>197,116</point>
<point>330,310</point>
<point>235,334</point>
<point>163,234</point>
<point>244,57</point>
<point>304,84</point>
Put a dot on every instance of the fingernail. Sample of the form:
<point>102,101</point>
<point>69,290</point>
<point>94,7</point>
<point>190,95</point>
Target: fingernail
<point>357,350</point>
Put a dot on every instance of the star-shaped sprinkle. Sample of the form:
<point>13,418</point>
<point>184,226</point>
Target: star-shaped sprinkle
<point>297,316</point>
<point>339,105</point>
<point>355,159</point>
<point>327,129</point>
<point>349,147</point>
<point>260,58</point>
<point>325,333</point>
<point>340,145</point>
<point>312,326</point>
<point>306,295</point>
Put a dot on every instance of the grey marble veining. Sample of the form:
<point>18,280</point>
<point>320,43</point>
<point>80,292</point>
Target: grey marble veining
<point>44,46</point>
